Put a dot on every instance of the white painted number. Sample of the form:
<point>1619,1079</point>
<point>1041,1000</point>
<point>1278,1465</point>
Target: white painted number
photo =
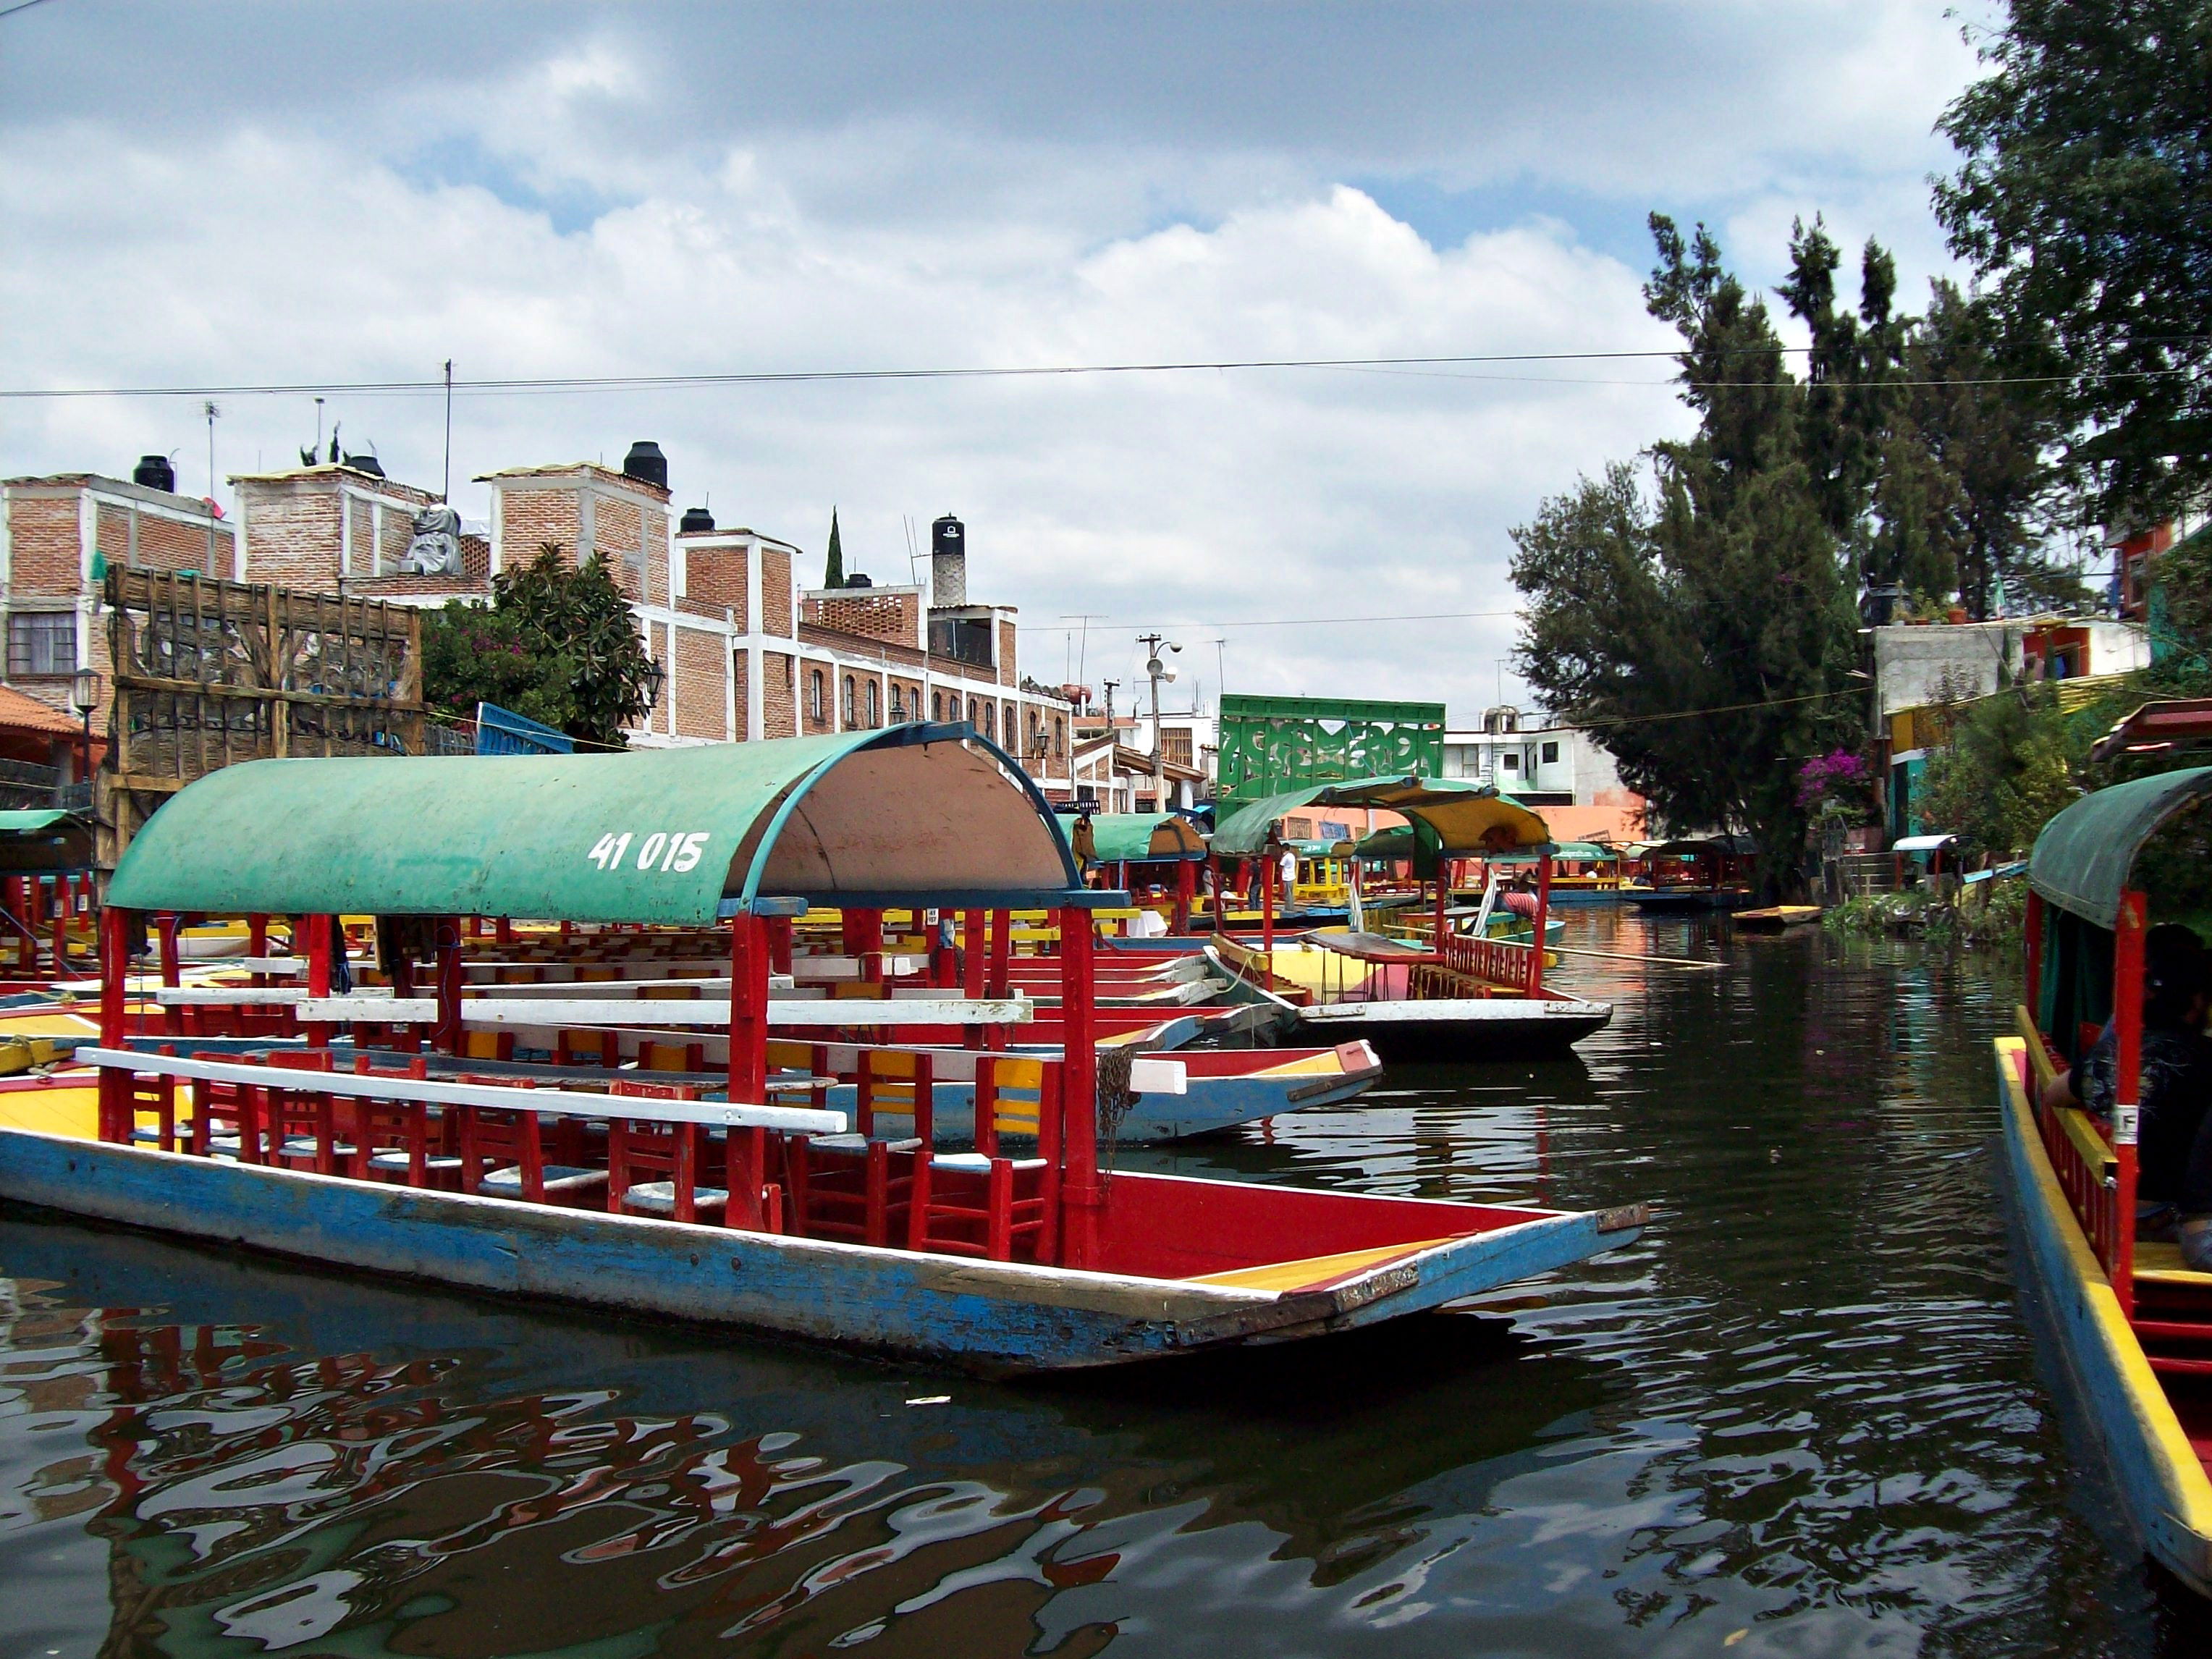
<point>663,850</point>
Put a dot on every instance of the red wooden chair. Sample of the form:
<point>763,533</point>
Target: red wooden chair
<point>408,1140</point>
<point>653,1167</point>
<point>151,1092</point>
<point>503,1154</point>
<point>653,1056</point>
<point>983,1203</point>
<point>855,1186</point>
<point>304,1127</point>
<point>598,1048</point>
<point>226,1116</point>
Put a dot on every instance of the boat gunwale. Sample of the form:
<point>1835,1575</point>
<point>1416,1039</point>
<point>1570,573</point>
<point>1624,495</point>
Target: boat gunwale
<point>2058,1246</point>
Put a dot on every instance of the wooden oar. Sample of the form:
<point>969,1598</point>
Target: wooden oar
<point>1630,956</point>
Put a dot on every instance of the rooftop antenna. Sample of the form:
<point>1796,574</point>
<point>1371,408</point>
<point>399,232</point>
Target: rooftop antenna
<point>319,426</point>
<point>1111,684</point>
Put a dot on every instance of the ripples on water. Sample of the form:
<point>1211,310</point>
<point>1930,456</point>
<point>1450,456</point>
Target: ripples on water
<point>1804,1415</point>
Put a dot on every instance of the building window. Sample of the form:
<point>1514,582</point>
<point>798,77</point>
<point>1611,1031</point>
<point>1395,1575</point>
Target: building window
<point>1059,736</point>
<point>975,714</point>
<point>875,705</point>
<point>42,642</point>
<point>898,704</point>
<point>1175,748</point>
<point>851,689</point>
<point>1551,754</point>
<point>991,721</point>
<point>814,709</point>
<point>1511,762</point>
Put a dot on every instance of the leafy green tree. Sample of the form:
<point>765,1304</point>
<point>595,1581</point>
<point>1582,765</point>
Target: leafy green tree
<point>558,644</point>
<point>2085,201</point>
<point>833,574</point>
<point>1703,623</point>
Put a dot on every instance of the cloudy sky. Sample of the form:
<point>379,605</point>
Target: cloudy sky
<point>245,194</point>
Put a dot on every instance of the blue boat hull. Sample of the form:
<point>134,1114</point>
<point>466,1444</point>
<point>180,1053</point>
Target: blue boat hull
<point>985,1315</point>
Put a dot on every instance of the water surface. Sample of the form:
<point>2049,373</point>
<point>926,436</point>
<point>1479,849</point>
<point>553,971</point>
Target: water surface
<point>1808,1414</point>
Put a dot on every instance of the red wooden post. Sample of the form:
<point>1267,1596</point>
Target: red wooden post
<point>748,1074</point>
<point>2033,926</point>
<point>1443,898</point>
<point>1186,886</point>
<point>1001,979</point>
<point>779,945</point>
<point>973,951</point>
<point>60,940</point>
<point>447,1037</point>
<point>1543,909</point>
<point>114,972</point>
<point>173,971</point>
<point>319,929</point>
<point>2127,1090</point>
<point>1081,1197</point>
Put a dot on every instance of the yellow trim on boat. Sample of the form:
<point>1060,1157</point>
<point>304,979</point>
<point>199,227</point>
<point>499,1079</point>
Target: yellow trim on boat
<point>69,1109</point>
<point>1315,1270</point>
<point>2185,1486</point>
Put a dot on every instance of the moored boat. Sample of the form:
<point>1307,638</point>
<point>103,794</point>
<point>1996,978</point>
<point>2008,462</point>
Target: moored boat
<point>235,1119</point>
<point>1432,992</point>
<point>2135,1323</point>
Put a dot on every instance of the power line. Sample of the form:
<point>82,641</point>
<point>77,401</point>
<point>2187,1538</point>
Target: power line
<point>1292,622</point>
<point>531,385</point>
<point>21,5</point>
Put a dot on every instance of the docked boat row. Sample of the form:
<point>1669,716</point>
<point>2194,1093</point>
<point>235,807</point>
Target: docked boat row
<point>705,1033</point>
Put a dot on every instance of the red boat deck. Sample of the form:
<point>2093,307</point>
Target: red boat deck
<point>2173,1321</point>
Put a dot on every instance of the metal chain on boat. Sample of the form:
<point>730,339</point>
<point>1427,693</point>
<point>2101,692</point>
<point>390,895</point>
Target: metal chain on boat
<point>1113,1096</point>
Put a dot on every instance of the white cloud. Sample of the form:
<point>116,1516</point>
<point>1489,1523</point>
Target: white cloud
<point>584,209</point>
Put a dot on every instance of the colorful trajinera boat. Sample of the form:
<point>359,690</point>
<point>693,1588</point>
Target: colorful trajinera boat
<point>1447,994</point>
<point>2136,1325</point>
<point>381,1124</point>
<point>1709,872</point>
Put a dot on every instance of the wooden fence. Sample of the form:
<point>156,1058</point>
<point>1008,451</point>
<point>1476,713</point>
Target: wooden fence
<point>209,673</point>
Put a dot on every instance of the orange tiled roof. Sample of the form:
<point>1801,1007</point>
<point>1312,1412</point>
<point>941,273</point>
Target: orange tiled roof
<point>22,713</point>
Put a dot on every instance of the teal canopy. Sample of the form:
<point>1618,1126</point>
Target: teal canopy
<point>2082,858</point>
<point>914,815</point>
<point>1143,837</point>
<point>1467,818</point>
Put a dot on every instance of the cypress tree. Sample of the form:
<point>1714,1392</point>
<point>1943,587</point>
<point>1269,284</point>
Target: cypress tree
<point>834,575</point>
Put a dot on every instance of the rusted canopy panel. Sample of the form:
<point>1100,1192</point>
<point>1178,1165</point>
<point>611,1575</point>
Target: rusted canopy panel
<point>913,815</point>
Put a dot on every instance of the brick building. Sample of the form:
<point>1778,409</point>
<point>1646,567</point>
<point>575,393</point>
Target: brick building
<point>58,537</point>
<point>747,650</point>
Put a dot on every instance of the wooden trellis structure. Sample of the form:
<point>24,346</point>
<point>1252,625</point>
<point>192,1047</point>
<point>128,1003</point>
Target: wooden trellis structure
<point>209,673</point>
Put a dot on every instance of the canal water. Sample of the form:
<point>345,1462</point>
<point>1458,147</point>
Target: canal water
<point>1809,1413</point>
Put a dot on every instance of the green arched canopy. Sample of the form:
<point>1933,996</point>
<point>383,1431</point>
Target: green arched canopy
<point>2082,858</point>
<point>1467,819</point>
<point>1145,838</point>
<point>928,814</point>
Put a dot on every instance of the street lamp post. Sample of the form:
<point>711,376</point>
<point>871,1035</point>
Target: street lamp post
<point>1157,670</point>
<point>84,697</point>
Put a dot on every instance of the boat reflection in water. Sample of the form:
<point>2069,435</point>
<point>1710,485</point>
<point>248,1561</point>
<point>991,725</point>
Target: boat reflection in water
<point>511,1483</point>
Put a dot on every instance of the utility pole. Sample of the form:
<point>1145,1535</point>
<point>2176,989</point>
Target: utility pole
<point>1156,671</point>
<point>212,412</point>
<point>447,493</point>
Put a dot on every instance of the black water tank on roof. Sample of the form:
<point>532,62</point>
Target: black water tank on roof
<point>856,580</point>
<point>155,473</point>
<point>646,463</point>
<point>696,520</point>
<point>367,464</point>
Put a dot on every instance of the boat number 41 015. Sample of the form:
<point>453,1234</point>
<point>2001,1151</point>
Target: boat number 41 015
<point>668,854</point>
